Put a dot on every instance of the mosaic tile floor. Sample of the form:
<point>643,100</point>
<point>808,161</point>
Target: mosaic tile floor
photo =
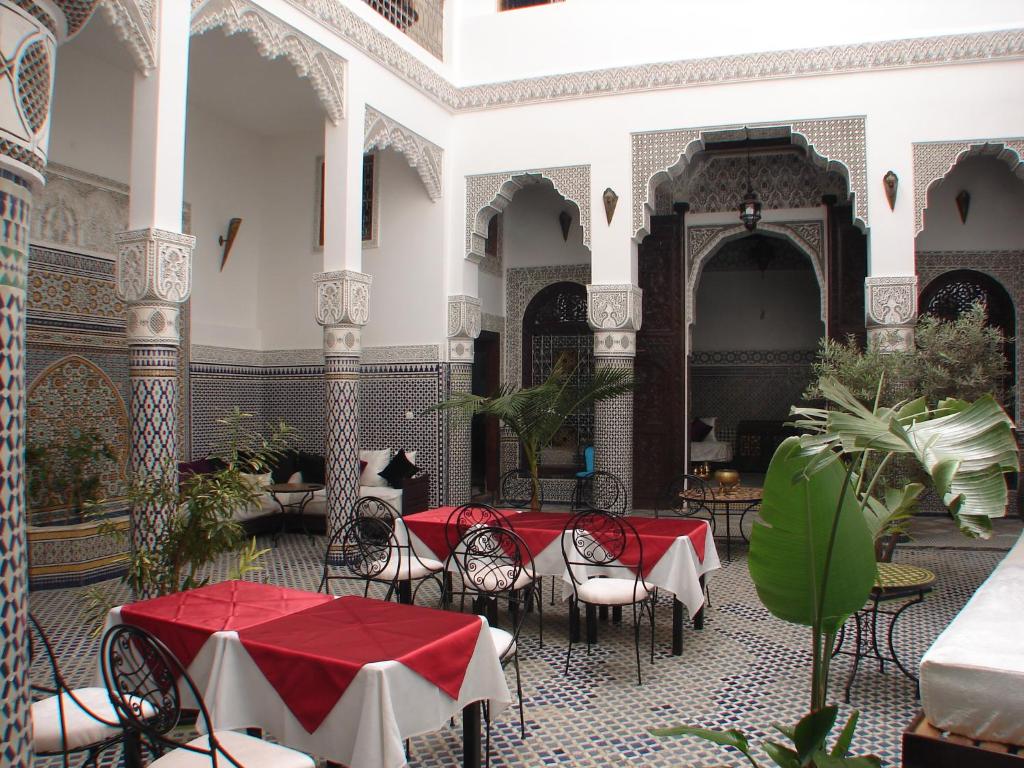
<point>746,669</point>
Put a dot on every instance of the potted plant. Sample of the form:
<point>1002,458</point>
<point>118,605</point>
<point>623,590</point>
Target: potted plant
<point>201,524</point>
<point>68,474</point>
<point>536,414</point>
<point>812,557</point>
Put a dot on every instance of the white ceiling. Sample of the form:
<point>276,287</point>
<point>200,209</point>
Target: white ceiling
<point>227,77</point>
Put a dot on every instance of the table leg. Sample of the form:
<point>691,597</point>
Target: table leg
<point>471,735</point>
<point>698,617</point>
<point>405,592</point>
<point>132,749</point>
<point>677,627</point>
<point>308,497</point>
<point>616,614</point>
<point>728,532</point>
<point>603,612</point>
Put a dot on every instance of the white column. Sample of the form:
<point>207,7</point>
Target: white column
<point>463,329</point>
<point>343,189</point>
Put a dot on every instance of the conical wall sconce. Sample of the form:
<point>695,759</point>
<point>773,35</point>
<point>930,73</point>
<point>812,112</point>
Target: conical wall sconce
<point>610,200</point>
<point>565,221</point>
<point>891,182</point>
<point>963,204</point>
<point>228,241</point>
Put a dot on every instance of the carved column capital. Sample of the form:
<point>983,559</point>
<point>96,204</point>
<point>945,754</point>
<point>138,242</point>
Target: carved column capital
<point>342,308</point>
<point>890,309</point>
<point>463,327</point>
<point>154,277</point>
<point>615,314</point>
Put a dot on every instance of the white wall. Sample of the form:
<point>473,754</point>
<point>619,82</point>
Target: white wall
<point>408,302</point>
<point>995,218</point>
<point>729,304</point>
<point>532,234</point>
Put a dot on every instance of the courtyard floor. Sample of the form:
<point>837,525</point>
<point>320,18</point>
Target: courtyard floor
<point>745,670</point>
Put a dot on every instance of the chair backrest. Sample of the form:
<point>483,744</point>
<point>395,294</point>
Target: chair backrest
<point>491,561</point>
<point>371,506</point>
<point>598,539</point>
<point>687,495</point>
<point>362,550</point>
<point>145,682</point>
<point>588,458</point>
<point>516,489</point>
<point>605,492</point>
<point>41,655</point>
<point>470,516</point>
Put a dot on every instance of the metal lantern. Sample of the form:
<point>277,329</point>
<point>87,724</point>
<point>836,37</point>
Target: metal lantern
<point>750,210</point>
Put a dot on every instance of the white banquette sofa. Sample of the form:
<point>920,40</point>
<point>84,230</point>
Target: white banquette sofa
<point>710,448</point>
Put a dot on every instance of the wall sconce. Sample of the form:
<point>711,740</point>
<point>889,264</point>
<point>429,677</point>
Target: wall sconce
<point>610,199</point>
<point>565,221</point>
<point>228,241</point>
<point>963,204</point>
<point>890,182</point>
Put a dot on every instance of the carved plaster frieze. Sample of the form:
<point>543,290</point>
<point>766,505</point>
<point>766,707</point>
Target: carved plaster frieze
<point>614,307</point>
<point>135,24</point>
<point>273,37</point>
<point>424,156</point>
<point>891,311</point>
<point>419,353</point>
<point>153,323</point>
<point>688,73</point>
<point>834,144</point>
<point>343,341</point>
<point>614,344</point>
<point>342,298</point>
<point>76,14</point>
<point>154,265</point>
<point>886,339</point>
<point>934,159</point>
<point>463,317</point>
<point>460,350</point>
<point>490,193</point>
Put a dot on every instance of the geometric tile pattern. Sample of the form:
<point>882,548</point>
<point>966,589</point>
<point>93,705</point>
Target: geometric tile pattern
<point>745,669</point>
<point>460,379</point>
<point>613,429</point>
<point>15,726</point>
<point>341,381</point>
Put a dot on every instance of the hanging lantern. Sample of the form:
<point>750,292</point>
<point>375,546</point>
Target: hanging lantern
<point>750,210</point>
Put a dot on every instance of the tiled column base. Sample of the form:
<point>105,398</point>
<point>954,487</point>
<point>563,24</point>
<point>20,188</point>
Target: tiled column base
<point>15,726</point>
<point>613,431</point>
<point>460,379</point>
<point>341,437</point>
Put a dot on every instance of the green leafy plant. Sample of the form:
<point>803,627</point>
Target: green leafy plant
<point>69,472</point>
<point>812,557</point>
<point>198,515</point>
<point>535,414</point>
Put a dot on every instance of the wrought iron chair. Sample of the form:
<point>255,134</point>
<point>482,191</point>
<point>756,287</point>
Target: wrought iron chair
<point>494,565</point>
<point>137,667</point>
<point>516,490</point>
<point>688,496</point>
<point>366,549</point>
<point>67,721</point>
<point>600,491</point>
<point>593,544</point>
<point>371,506</point>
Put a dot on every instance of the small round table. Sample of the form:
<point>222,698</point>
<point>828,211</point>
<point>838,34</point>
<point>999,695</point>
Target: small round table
<point>296,507</point>
<point>722,501</point>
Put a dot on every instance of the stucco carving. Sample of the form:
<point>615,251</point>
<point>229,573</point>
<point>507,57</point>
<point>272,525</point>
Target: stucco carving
<point>154,265</point>
<point>891,300</point>
<point>834,144</point>
<point>424,156</point>
<point>490,193</point>
<point>463,316</point>
<point>933,160</point>
<point>804,62</point>
<point>614,307</point>
<point>136,26</point>
<point>342,298</point>
<point>274,38</point>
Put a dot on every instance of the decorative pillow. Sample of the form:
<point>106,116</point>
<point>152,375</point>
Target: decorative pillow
<point>699,429</point>
<point>285,465</point>
<point>376,461</point>
<point>398,470</point>
<point>313,467</point>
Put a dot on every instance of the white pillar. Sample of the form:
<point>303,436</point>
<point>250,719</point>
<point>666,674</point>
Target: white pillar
<point>343,189</point>
<point>463,329</point>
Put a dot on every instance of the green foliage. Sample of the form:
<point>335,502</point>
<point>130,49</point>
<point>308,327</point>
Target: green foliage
<point>535,414</point>
<point>198,513</point>
<point>68,473</point>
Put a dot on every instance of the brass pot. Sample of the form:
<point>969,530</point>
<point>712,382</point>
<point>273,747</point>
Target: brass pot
<point>727,479</point>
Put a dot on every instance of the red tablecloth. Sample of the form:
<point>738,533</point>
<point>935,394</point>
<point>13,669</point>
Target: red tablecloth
<point>184,621</point>
<point>311,657</point>
<point>430,528</point>
<point>657,535</point>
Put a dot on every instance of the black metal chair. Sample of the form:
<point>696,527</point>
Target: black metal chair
<point>371,506</point>
<point>516,490</point>
<point>137,667</point>
<point>688,496</point>
<point>67,721</point>
<point>593,543</point>
<point>468,516</point>
<point>494,564</point>
<point>601,491</point>
<point>366,549</point>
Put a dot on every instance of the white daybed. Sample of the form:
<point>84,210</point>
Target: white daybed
<point>710,449</point>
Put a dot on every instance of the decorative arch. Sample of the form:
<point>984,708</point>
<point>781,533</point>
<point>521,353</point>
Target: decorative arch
<point>135,24</point>
<point>934,160</point>
<point>489,194</point>
<point>835,144</point>
<point>424,156</point>
<point>799,234</point>
<point>322,67</point>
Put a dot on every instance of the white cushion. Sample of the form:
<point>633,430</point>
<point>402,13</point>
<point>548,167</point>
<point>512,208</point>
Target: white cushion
<point>503,641</point>
<point>612,591</point>
<point>248,751</point>
<point>376,461</point>
<point>81,727</point>
<point>392,496</point>
<point>412,567</point>
<point>488,581</point>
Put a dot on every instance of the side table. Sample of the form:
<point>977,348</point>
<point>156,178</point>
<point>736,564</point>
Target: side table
<point>745,499</point>
<point>296,507</point>
<point>895,582</point>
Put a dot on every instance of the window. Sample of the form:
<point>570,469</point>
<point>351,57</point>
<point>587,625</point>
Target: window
<point>370,224</point>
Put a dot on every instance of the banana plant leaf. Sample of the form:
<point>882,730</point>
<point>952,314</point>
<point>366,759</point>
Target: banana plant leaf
<point>789,545</point>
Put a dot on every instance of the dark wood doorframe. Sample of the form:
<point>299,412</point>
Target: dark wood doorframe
<point>486,438</point>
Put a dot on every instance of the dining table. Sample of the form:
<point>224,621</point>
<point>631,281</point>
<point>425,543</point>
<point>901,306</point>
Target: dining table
<point>348,679</point>
<point>677,553</point>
